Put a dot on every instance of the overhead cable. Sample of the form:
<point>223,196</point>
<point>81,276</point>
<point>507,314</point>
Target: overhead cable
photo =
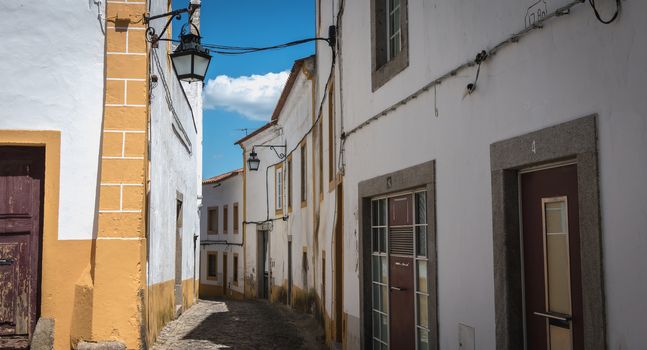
<point>514,38</point>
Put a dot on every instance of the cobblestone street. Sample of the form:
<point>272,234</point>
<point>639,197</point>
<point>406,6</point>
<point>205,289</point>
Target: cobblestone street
<point>228,324</point>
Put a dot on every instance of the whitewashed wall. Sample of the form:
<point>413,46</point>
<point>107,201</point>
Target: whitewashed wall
<point>296,119</point>
<point>226,192</point>
<point>574,66</point>
<point>174,168</point>
<point>52,79</point>
<point>257,209</point>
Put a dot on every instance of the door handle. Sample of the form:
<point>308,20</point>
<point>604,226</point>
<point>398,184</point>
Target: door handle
<point>398,289</point>
<point>554,316</point>
<point>6,261</point>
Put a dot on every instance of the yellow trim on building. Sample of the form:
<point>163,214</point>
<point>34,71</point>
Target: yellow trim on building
<point>119,252</point>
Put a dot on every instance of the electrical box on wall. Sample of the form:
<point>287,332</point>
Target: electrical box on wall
<point>465,337</point>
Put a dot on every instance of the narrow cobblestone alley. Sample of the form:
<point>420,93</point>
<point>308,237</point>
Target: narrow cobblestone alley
<point>228,324</point>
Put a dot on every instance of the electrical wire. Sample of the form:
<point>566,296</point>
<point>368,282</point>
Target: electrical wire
<point>297,144</point>
<point>597,14</point>
<point>241,50</point>
<point>514,38</point>
<point>237,50</point>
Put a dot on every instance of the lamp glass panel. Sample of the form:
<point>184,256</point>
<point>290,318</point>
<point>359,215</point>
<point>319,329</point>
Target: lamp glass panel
<point>253,164</point>
<point>182,64</point>
<point>200,65</point>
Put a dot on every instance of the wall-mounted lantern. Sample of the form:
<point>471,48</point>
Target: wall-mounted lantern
<point>253,162</point>
<point>190,59</point>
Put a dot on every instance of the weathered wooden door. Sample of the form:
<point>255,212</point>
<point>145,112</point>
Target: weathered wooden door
<point>401,287</point>
<point>21,195</point>
<point>551,247</point>
<point>178,257</point>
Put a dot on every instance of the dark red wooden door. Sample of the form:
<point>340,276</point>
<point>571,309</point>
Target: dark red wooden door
<point>402,329</point>
<point>402,315</point>
<point>21,193</point>
<point>551,247</point>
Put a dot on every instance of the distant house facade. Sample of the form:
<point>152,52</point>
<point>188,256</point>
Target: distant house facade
<point>221,236</point>
<point>99,177</point>
<point>280,217</point>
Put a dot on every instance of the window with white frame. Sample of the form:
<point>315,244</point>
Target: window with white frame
<point>389,35</point>
<point>393,29</point>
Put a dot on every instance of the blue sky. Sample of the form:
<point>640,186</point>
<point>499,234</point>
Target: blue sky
<point>244,95</point>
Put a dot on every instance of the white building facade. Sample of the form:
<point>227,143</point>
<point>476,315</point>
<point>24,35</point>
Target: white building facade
<point>505,214</point>
<point>94,120</point>
<point>221,236</point>
<point>279,215</point>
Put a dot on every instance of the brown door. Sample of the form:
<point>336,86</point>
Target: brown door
<point>401,288</point>
<point>21,194</point>
<point>551,247</point>
<point>178,258</point>
<point>224,275</point>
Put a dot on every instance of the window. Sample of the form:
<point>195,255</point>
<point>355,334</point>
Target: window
<point>278,200</point>
<point>389,36</point>
<point>212,266</point>
<point>304,177</point>
<point>235,278</point>
<point>225,217</point>
<point>421,263</point>
<point>394,29</point>
<point>235,223</point>
<point>212,221</point>
<point>331,137</point>
<point>289,180</point>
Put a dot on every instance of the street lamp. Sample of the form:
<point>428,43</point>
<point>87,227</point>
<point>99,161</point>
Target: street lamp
<point>253,161</point>
<point>190,59</point>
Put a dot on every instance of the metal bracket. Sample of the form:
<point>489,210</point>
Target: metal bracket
<point>273,148</point>
<point>152,36</point>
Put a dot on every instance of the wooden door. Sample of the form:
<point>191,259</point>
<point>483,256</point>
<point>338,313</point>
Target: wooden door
<point>551,248</point>
<point>178,257</point>
<point>402,326</point>
<point>21,196</point>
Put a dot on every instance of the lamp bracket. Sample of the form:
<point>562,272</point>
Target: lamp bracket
<point>273,148</point>
<point>153,37</point>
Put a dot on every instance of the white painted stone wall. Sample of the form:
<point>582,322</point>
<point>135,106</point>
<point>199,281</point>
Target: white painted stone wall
<point>175,163</point>
<point>256,200</point>
<point>573,67</point>
<point>52,79</point>
<point>309,226</point>
<point>226,192</point>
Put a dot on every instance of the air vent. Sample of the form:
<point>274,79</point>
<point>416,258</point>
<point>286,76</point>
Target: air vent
<point>401,241</point>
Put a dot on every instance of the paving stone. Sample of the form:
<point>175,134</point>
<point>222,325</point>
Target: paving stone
<point>250,324</point>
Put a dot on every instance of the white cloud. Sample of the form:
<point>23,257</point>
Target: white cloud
<point>252,96</point>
